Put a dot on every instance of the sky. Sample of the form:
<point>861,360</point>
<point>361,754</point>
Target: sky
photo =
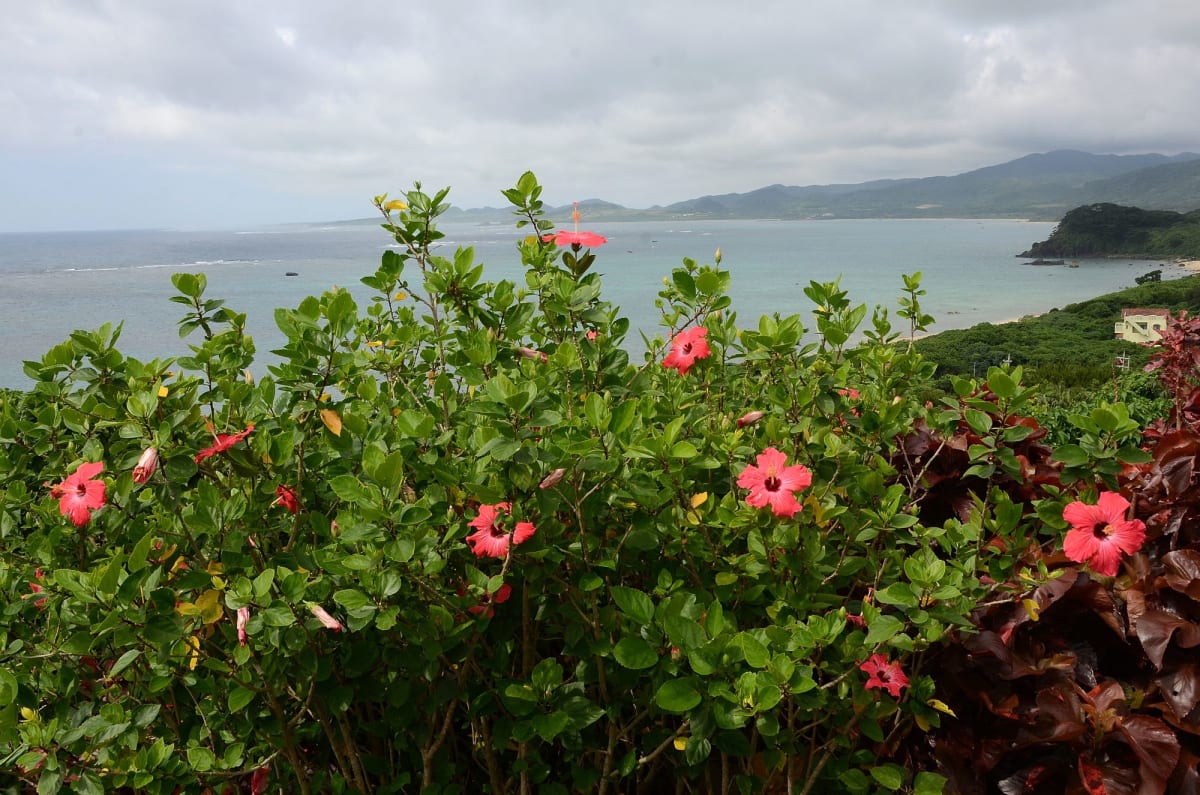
<point>226,113</point>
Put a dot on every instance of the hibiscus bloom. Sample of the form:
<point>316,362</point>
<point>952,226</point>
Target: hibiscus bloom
<point>286,496</point>
<point>882,675</point>
<point>772,483</point>
<point>223,443</point>
<point>146,465</point>
<point>490,539</point>
<point>81,493</point>
<point>485,608</point>
<point>1100,533</point>
<point>686,347</point>
<point>576,238</point>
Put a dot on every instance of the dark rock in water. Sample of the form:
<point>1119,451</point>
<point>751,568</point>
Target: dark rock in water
<point>1048,262</point>
<point>291,273</point>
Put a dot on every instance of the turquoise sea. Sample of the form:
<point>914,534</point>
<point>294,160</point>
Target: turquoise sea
<point>53,283</point>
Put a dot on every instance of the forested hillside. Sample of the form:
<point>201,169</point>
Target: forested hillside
<point>1071,346</point>
<point>1101,230</point>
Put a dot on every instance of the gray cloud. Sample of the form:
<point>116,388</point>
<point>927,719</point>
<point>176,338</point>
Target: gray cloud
<point>636,102</point>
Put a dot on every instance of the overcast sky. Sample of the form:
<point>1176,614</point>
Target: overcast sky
<point>226,113</point>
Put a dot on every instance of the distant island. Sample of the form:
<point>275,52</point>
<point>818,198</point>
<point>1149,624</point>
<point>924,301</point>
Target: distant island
<point>1110,230</point>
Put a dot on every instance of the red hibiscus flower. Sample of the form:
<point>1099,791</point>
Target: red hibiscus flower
<point>686,347</point>
<point>286,496</point>
<point>576,238</point>
<point>1100,533</point>
<point>485,603</point>
<point>35,587</point>
<point>772,483</point>
<point>882,675</point>
<point>81,493</point>
<point>223,443</point>
<point>490,539</point>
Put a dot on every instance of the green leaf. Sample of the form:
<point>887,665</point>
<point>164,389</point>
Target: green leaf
<point>1133,455</point>
<point>634,604</point>
<point>8,688</point>
<point>1070,454</point>
<point>239,697</point>
<point>351,599</point>
<point>677,695</point>
<point>929,784</point>
<point>883,629</point>
<point>635,653</point>
<point>889,776</point>
<point>755,652</point>
<point>124,661</point>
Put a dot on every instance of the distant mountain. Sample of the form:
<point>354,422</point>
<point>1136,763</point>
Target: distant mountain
<point>1035,186</point>
<point>1039,186</point>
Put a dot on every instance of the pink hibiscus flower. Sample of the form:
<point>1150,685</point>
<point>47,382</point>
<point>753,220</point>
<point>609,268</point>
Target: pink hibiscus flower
<point>1100,534</point>
<point>81,493</point>
<point>772,483</point>
<point>576,238</point>
<point>223,443</point>
<point>686,347</point>
<point>882,675</point>
<point>490,539</point>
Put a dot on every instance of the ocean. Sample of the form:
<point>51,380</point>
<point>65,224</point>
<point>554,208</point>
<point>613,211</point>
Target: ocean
<point>54,283</point>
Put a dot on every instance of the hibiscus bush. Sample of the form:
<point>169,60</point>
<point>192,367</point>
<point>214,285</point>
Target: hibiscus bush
<point>457,540</point>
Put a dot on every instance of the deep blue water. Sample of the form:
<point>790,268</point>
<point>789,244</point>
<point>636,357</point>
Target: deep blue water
<point>53,283</point>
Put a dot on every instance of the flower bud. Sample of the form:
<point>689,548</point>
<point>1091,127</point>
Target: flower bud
<point>243,618</point>
<point>327,621</point>
<point>146,465</point>
<point>749,418</point>
<point>551,480</point>
<point>530,353</point>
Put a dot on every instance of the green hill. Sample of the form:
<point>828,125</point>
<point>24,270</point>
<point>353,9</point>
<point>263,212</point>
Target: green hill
<point>1102,230</point>
<point>1069,347</point>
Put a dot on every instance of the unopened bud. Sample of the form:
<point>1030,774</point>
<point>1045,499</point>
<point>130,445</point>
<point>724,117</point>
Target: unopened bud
<point>551,480</point>
<point>749,418</point>
<point>327,621</point>
<point>146,465</point>
<point>530,353</point>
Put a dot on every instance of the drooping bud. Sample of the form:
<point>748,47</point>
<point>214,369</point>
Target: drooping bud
<point>530,353</point>
<point>551,480</point>
<point>749,418</point>
<point>243,618</point>
<point>327,621</point>
<point>146,465</point>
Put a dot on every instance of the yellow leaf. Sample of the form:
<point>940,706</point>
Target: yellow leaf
<point>194,643</point>
<point>163,391</point>
<point>401,296</point>
<point>27,714</point>
<point>922,723</point>
<point>375,343</point>
<point>324,397</point>
<point>1031,607</point>
<point>209,606</point>
<point>680,743</point>
<point>699,499</point>
<point>332,421</point>
<point>395,204</point>
<point>941,706</point>
<point>248,376</point>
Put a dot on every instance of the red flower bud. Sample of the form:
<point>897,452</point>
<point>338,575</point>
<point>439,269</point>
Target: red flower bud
<point>530,353</point>
<point>146,465</point>
<point>749,418</point>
